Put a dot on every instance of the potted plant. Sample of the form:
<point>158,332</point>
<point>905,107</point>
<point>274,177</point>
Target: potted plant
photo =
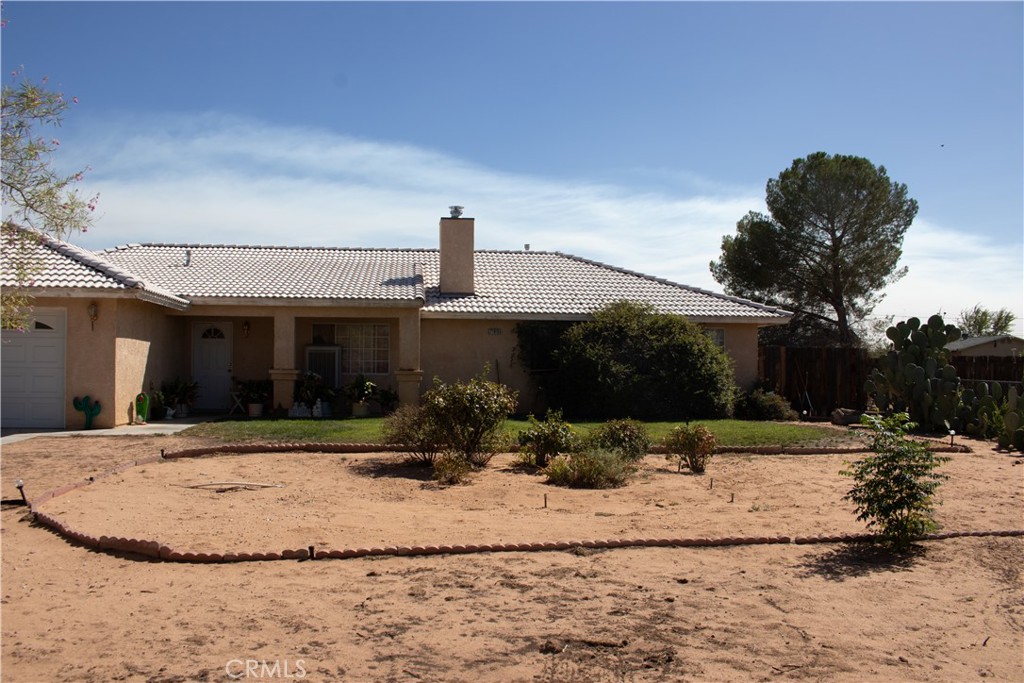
<point>309,390</point>
<point>254,394</point>
<point>360,391</point>
<point>157,409</point>
<point>180,393</point>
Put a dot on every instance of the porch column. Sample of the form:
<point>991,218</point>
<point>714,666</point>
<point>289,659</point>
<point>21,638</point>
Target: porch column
<point>409,373</point>
<point>284,373</point>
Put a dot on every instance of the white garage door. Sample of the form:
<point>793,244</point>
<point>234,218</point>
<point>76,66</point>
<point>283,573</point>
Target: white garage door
<point>32,372</point>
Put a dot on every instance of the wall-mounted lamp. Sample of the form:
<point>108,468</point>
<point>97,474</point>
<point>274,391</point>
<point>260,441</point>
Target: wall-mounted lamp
<point>245,329</point>
<point>94,314</point>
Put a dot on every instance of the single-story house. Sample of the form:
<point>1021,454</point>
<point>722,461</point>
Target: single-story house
<point>993,345</point>
<point>113,323</point>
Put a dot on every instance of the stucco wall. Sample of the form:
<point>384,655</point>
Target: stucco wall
<point>89,357</point>
<point>151,347</point>
<point>458,350</point>
<point>741,345</point>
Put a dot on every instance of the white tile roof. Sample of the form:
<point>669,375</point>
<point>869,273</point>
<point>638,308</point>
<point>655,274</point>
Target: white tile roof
<point>512,284</point>
<point>59,265</point>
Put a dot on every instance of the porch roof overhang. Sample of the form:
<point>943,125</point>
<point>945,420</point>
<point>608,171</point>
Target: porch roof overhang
<point>139,293</point>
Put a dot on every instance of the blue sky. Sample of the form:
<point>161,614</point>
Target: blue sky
<point>631,133</point>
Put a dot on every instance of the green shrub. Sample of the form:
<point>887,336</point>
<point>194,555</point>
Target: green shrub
<point>451,468</point>
<point>690,446</point>
<point>631,360</point>
<point>544,440</point>
<point>470,415</point>
<point>628,438</point>
<point>895,487</point>
<point>762,405</point>
<point>409,427</point>
<point>590,469</point>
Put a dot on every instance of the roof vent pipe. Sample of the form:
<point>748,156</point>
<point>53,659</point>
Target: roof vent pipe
<point>188,257</point>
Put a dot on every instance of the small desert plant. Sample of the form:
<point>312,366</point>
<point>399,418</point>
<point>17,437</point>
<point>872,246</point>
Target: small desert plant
<point>451,468</point>
<point>409,427</point>
<point>545,440</point>
<point>470,415</point>
<point>762,405</point>
<point>895,487</point>
<point>590,469</point>
<point>691,446</point>
<point>628,438</point>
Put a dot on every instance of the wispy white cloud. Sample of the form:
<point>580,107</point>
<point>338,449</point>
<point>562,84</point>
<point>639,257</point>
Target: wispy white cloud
<point>221,179</point>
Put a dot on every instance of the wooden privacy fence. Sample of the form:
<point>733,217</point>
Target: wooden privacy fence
<point>819,380</point>
<point>988,368</point>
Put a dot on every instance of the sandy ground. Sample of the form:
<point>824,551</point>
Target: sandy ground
<point>952,611</point>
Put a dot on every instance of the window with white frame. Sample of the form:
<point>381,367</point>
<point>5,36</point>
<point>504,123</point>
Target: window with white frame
<point>363,348</point>
<point>717,335</point>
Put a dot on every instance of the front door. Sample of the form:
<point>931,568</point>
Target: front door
<point>211,364</point>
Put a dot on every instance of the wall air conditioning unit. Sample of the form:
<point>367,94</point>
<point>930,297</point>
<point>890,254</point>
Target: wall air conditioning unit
<point>324,361</point>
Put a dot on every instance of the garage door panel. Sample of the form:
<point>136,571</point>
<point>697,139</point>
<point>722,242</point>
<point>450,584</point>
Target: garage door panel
<point>51,353</point>
<point>33,368</point>
<point>14,381</point>
<point>45,384</point>
<point>13,353</point>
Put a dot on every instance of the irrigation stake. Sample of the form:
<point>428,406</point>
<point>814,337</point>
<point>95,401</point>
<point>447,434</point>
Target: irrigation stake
<point>712,481</point>
<point>545,500</point>
<point>732,497</point>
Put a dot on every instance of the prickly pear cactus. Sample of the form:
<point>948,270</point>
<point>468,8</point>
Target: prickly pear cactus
<point>89,407</point>
<point>915,376</point>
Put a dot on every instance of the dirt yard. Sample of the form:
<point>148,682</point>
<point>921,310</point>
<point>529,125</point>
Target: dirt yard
<point>952,611</point>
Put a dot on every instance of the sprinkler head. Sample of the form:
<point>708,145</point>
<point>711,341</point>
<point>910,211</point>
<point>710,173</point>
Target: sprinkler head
<point>21,489</point>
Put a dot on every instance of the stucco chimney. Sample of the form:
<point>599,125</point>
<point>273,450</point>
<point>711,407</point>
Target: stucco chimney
<point>457,253</point>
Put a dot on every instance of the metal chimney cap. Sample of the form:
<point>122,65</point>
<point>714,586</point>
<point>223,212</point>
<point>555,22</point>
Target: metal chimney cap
<point>456,211</point>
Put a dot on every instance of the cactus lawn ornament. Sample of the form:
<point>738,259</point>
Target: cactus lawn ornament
<point>89,407</point>
<point>141,408</point>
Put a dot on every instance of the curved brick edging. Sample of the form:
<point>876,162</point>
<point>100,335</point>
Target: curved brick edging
<point>161,552</point>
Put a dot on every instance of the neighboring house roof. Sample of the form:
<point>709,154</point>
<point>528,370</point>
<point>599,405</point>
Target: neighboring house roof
<point>58,266</point>
<point>972,342</point>
<point>509,284</point>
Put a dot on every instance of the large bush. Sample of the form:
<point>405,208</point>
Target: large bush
<point>470,415</point>
<point>632,361</point>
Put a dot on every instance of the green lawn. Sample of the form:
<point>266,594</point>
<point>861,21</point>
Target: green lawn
<point>367,430</point>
